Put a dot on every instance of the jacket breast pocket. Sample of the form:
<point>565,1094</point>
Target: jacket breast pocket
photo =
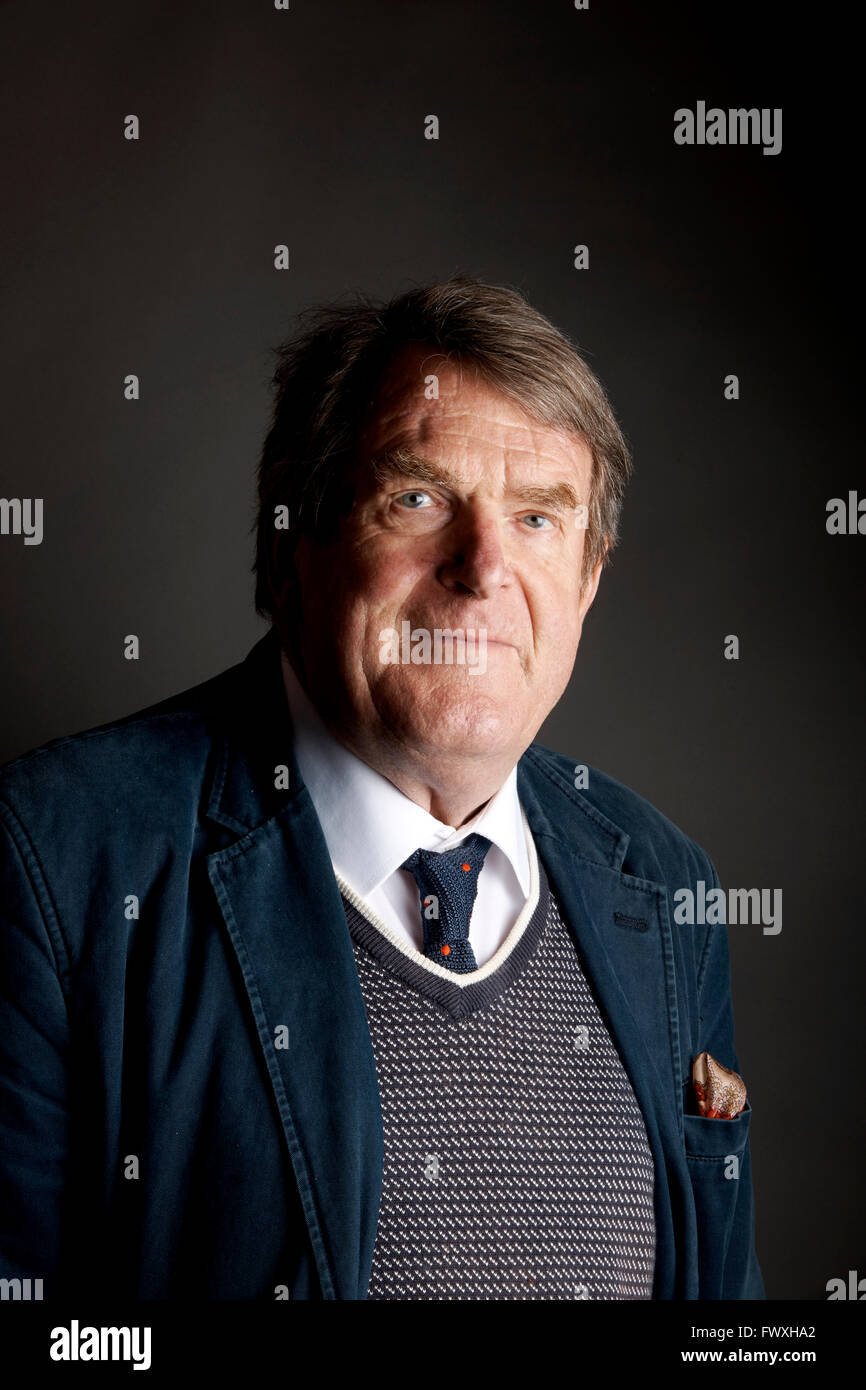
<point>717,1161</point>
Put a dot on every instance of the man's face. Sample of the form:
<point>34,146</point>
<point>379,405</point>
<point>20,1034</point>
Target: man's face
<point>473,525</point>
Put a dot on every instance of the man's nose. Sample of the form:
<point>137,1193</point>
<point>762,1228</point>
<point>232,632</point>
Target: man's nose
<point>476,558</point>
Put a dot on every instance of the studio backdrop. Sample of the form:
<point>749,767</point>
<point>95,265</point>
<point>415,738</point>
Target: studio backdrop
<point>181,179</point>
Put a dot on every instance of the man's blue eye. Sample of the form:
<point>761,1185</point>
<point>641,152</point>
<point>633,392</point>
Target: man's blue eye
<point>412,494</point>
<point>536,517</point>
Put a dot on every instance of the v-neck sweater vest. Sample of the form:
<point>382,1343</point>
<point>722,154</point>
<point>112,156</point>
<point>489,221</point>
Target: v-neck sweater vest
<point>516,1161</point>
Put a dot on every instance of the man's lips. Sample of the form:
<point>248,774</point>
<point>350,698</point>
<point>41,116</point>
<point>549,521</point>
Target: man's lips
<point>475,633</point>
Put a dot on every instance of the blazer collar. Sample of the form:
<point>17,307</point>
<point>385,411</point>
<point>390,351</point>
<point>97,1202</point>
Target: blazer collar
<point>256,739</point>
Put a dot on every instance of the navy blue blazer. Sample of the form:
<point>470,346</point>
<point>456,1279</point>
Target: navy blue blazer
<point>168,913</point>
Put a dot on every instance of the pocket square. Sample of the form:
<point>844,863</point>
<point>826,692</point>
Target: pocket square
<point>721,1094</point>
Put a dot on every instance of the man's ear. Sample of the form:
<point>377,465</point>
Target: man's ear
<point>590,588</point>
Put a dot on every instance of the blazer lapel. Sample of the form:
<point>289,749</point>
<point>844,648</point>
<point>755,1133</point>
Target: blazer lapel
<point>278,895</point>
<point>621,927</point>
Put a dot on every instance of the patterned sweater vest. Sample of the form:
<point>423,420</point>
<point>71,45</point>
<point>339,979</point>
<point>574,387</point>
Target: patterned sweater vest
<point>516,1162</point>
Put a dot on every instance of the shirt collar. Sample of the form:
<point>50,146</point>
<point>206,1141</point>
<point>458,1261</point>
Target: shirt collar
<point>369,825</point>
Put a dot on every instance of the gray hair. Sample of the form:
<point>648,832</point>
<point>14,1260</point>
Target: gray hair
<point>326,376</point>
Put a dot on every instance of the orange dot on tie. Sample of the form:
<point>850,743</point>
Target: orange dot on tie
<point>446,950</point>
<point>466,868</point>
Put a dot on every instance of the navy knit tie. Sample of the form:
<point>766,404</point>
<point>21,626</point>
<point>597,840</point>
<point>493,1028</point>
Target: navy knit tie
<point>447,884</point>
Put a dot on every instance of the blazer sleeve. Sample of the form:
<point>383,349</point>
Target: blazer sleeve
<point>33,1064</point>
<point>740,1275</point>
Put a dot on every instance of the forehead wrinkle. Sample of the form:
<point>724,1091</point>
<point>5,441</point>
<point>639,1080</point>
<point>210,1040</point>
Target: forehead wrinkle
<point>522,435</point>
<point>516,428</point>
<point>468,442</point>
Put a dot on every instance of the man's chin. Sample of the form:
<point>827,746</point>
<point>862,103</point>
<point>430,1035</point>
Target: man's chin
<point>471,722</point>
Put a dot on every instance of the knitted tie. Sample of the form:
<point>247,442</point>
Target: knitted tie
<point>447,884</point>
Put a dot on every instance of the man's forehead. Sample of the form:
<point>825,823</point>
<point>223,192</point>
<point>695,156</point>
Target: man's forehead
<point>462,414</point>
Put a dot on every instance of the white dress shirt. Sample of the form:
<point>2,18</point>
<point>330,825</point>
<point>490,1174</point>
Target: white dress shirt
<point>371,827</point>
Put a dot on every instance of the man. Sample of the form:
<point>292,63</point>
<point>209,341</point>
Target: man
<point>322,980</point>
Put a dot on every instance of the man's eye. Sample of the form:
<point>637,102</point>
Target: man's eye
<point>413,503</point>
<point>535,517</point>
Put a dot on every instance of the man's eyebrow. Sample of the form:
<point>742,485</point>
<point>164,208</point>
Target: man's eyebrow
<point>405,463</point>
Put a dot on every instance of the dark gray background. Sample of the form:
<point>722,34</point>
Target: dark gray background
<point>261,127</point>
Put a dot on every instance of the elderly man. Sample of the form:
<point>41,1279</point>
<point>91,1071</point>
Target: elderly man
<point>323,980</point>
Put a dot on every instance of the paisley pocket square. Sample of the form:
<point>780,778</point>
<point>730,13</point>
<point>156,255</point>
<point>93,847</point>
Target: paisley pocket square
<point>721,1094</point>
